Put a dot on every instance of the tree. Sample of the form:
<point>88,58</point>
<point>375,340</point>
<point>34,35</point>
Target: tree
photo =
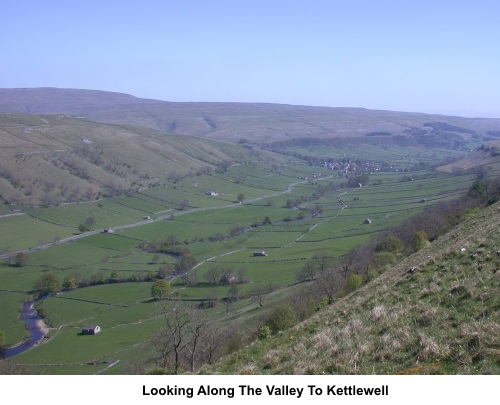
<point>420,240</point>
<point>211,344</point>
<point>321,261</point>
<point>187,262</point>
<point>240,197</point>
<point>329,284</point>
<point>213,275</point>
<point>90,223</point>
<point>165,271</point>
<point>47,284</point>
<point>96,278</point>
<point>283,317</point>
<point>69,283</point>
<point>381,260</point>
<point>82,228</point>
<point>232,293</point>
<point>307,272</point>
<point>267,221</point>
<point>353,282</point>
<point>301,215</point>
<point>171,339</point>
<point>160,289</point>
<point>242,275</point>
<point>114,277</point>
<point>21,259</point>
<point>390,244</point>
<point>259,294</point>
<point>188,337</point>
<point>195,330</point>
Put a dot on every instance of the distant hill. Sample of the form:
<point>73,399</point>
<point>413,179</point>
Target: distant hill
<point>48,159</point>
<point>436,312</point>
<point>487,154</point>
<point>233,121</point>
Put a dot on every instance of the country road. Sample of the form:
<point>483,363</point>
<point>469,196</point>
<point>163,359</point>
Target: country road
<point>149,221</point>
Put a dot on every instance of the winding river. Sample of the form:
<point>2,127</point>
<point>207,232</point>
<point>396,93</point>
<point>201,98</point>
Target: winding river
<point>35,327</point>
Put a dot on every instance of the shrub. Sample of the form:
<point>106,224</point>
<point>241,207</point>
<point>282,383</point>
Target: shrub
<point>380,261</point>
<point>283,317</point>
<point>264,332</point>
<point>47,284</point>
<point>420,240</point>
<point>354,281</point>
<point>160,289</point>
<point>390,244</point>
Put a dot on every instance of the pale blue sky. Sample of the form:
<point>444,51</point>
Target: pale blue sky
<point>425,56</point>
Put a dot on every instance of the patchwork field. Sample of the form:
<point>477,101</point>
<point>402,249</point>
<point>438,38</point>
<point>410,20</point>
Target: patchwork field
<point>220,231</point>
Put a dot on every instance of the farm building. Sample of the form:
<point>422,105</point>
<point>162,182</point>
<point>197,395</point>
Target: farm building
<point>109,230</point>
<point>212,193</point>
<point>229,278</point>
<point>259,253</point>
<point>91,329</point>
<point>367,221</point>
<point>146,217</point>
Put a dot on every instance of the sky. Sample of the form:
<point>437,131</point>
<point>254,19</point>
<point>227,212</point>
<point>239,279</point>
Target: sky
<point>426,56</point>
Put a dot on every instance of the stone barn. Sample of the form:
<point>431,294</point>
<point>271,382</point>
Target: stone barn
<point>259,253</point>
<point>90,329</point>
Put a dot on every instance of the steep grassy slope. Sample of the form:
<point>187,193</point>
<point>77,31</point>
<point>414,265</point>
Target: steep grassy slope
<point>54,159</point>
<point>441,318</point>
<point>233,121</point>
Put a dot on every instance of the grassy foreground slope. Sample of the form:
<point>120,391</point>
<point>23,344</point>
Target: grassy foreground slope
<point>441,318</point>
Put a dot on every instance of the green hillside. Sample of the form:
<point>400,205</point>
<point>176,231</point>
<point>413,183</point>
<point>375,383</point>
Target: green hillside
<point>436,312</point>
<point>283,212</point>
<point>48,160</point>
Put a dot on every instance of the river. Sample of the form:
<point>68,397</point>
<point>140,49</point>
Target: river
<point>35,327</point>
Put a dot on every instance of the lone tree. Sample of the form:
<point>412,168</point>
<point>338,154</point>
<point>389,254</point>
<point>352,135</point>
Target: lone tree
<point>240,197</point>
<point>160,289</point>
<point>47,284</point>
<point>90,223</point>
<point>21,259</point>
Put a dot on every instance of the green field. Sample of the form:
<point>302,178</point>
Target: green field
<point>206,226</point>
